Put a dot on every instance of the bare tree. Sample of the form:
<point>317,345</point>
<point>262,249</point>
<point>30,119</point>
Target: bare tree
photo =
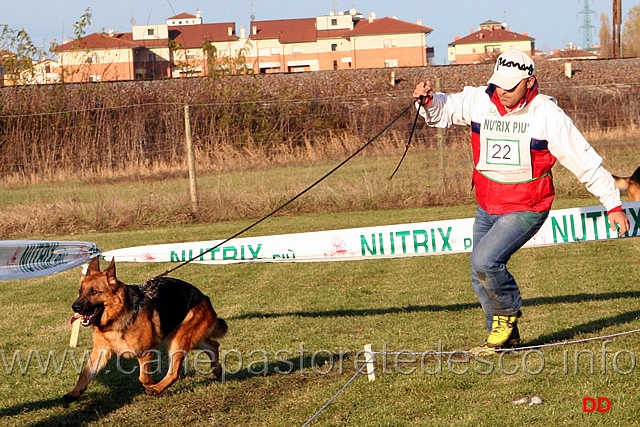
<point>631,33</point>
<point>606,45</point>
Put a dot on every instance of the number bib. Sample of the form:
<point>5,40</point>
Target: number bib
<point>505,148</point>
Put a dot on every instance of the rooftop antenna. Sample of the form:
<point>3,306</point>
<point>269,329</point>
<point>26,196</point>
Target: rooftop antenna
<point>132,20</point>
<point>587,28</point>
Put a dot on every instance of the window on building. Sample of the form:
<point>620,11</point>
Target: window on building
<point>334,47</point>
<point>334,22</point>
<point>388,63</point>
<point>389,43</point>
<point>275,51</point>
<point>151,31</point>
<point>190,56</point>
<point>335,65</point>
<point>491,49</point>
<point>296,49</point>
<point>95,78</point>
<point>264,52</point>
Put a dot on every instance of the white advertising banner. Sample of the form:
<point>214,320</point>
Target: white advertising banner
<point>390,241</point>
<point>21,259</point>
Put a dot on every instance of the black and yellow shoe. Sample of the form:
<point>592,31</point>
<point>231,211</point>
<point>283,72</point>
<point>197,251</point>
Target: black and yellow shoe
<point>504,335</point>
<point>502,329</point>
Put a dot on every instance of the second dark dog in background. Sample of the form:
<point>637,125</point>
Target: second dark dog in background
<point>630,184</point>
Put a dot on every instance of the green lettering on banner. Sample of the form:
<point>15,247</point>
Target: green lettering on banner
<point>398,242</point>
<point>445,240</point>
<point>594,217</point>
<point>229,252</point>
<point>381,243</point>
<point>416,244</point>
<point>403,235</point>
<point>468,243</point>
<point>573,229</point>
<point>364,245</point>
<point>636,221</point>
<point>254,254</point>
<point>564,234</point>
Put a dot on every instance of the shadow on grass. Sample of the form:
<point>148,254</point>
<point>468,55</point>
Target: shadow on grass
<point>586,328</point>
<point>322,363</point>
<point>123,387</point>
<point>575,298</point>
<point>91,406</point>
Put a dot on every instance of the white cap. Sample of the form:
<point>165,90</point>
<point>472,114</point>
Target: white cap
<point>512,67</point>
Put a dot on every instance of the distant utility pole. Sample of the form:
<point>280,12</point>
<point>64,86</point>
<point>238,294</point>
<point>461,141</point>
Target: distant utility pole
<point>586,26</point>
<point>617,22</point>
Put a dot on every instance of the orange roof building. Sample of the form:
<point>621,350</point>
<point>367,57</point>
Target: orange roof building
<point>185,46</point>
<point>485,44</point>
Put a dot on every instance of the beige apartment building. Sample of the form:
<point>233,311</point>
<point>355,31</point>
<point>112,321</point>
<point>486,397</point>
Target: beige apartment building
<point>485,44</point>
<point>185,46</point>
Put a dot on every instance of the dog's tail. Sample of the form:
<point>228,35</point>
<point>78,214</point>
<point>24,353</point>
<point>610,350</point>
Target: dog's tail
<point>220,328</point>
<point>622,182</point>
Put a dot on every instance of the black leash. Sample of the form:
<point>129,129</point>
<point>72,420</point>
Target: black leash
<point>296,197</point>
<point>406,149</point>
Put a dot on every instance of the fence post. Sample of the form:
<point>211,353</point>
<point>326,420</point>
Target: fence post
<point>441,160</point>
<point>191,162</point>
<point>370,361</point>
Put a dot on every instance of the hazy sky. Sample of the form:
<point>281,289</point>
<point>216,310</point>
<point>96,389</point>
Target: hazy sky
<point>553,23</point>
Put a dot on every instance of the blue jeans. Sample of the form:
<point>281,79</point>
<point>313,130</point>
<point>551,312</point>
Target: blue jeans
<point>495,239</point>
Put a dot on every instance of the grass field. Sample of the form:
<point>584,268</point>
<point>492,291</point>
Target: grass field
<point>297,333</point>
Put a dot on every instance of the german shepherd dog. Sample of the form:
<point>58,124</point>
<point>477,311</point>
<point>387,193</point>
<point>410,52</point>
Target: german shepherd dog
<point>630,184</point>
<point>131,321</point>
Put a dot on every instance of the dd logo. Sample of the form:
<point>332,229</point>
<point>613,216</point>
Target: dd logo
<point>590,404</point>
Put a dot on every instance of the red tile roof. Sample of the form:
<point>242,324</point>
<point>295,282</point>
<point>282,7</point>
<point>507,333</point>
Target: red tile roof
<point>491,36</point>
<point>183,15</point>
<point>188,36</point>
<point>285,30</point>
<point>100,41</point>
<point>386,25</point>
<point>192,36</point>
<point>304,29</point>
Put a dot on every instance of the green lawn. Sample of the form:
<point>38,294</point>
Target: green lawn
<point>297,333</point>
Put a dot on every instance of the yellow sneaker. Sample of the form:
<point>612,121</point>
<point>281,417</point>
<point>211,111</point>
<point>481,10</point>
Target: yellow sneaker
<point>483,349</point>
<point>502,329</point>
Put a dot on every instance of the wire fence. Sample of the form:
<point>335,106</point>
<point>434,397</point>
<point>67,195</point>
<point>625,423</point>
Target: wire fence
<point>126,129</point>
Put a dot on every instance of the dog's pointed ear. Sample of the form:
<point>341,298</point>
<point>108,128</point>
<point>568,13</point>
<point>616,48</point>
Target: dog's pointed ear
<point>110,271</point>
<point>94,266</point>
<point>110,274</point>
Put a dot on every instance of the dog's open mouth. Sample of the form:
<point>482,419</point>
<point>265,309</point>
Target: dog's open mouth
<point>87,319</point>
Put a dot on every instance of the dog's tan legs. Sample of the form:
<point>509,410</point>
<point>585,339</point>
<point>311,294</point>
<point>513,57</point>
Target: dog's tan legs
<point>173,374</point>
<point>211,348</point>
<point>144,363</point>
<point>634,191</point>
<point>98,360</point>
<point>196,326</point>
